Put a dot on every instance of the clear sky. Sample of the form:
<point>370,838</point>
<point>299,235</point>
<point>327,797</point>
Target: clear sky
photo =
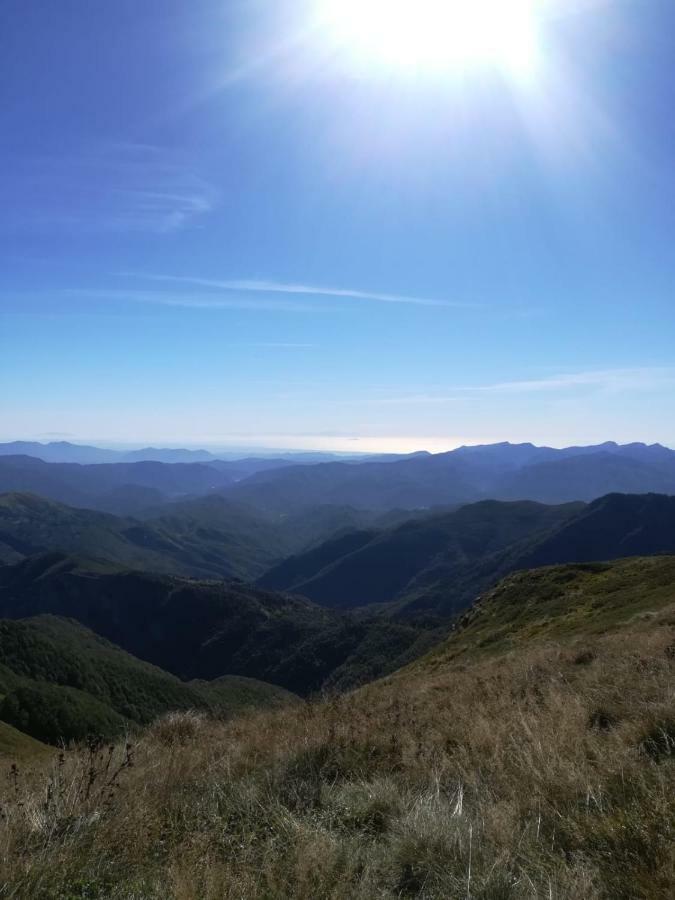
<point>300,224</point>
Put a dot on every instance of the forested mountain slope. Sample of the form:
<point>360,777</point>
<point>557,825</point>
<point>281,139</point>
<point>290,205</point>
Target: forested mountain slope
<point>59,681</point>
<point>206,629</point>
<point>237,546</point>
<point>456,547</point>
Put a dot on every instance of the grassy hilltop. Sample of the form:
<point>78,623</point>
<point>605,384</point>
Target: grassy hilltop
<point>531,755</point>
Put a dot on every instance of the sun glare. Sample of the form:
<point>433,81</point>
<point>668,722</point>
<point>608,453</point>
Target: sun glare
<point>437,34</point>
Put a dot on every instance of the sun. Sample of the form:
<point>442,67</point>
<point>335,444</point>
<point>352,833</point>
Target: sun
<point>436,35</point>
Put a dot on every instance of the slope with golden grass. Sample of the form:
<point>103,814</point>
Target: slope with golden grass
<point>540,766</point>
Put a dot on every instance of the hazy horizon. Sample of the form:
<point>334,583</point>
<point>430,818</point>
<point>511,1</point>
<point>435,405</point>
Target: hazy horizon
<point>350,446</point>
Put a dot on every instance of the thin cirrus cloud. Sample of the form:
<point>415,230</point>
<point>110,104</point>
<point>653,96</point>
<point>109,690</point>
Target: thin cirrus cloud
<point>294,289</point>
<point>648,377</point>
<point>611,380</point>
<point>189,300</point>
<point>106,188</point>
<point>278,345</point>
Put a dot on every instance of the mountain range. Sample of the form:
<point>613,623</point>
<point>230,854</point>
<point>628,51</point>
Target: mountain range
<point>431,563</point>
<point>66,452</point>
<point>468,474</point>
<point>129,588</point>
<point>442,563</point>
<point>296,628</point>
<point>282,486</point>
<point>483,663</point>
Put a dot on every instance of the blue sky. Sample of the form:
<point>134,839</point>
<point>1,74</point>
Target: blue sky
<point>221,227</point>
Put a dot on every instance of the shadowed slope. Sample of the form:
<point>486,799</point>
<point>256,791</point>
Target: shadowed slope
<point>457,550</point>
<point>441,563</point>
<point>205,629</point>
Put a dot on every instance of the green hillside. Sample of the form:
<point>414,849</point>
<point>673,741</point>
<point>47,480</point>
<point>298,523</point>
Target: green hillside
<point>559,602</point>
<point>253,539</point>
<point>15,745</point>
<point>203,537</point>
<point>56,714</point>
<point>239,546</point>
<point>60,681</point>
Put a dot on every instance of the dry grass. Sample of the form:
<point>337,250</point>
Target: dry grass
<point>177,728</point>
<point>542,774</point>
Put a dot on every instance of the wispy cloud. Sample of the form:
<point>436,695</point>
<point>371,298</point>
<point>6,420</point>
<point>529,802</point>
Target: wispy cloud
<point>194,301</point>
<point>112,187</point>
<point>610,380</point>
<point>189,300</point>
<point>646,378</point>
<point>277,345</point>
<point>280,287</point>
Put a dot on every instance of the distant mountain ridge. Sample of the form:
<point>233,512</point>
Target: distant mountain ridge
<point>65,451</point>
<point>288,485</point>
<point>468,474</point>
<point>95,483</point>
<point>127,487</point>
